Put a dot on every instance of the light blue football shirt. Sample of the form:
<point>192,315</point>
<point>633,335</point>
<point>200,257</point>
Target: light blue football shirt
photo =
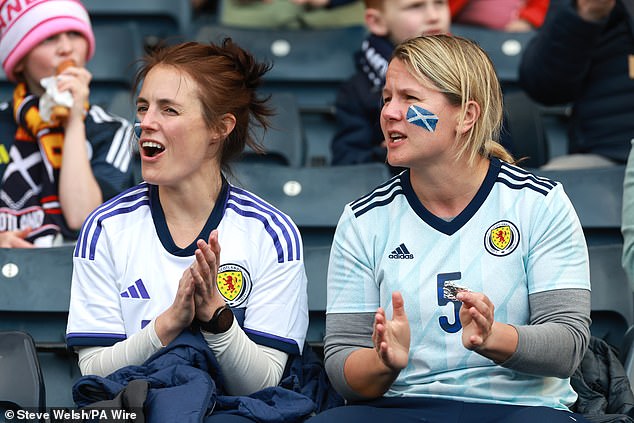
<point>520,235</point>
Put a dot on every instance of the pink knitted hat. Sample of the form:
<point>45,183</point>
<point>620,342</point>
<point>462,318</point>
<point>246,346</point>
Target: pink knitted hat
<point>26,23</point>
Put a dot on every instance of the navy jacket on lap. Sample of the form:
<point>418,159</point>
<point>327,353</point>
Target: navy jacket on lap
<point>185,385</point>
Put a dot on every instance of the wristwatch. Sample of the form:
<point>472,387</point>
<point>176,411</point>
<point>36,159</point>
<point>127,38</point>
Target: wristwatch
<point>220,322</point>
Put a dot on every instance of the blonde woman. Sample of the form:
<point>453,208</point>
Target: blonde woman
<point>458,290</point>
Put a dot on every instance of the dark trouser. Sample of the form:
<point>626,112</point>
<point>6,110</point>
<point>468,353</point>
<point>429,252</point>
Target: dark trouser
<point>427,410</point>
<point>226,418</point>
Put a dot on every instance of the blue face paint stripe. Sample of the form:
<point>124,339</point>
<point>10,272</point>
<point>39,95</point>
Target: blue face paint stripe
<point>418,116</point>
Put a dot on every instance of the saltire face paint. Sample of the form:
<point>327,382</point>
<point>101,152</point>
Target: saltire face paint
<point>422,117</point>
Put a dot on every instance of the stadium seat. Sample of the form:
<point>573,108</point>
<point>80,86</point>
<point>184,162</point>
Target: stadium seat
<point>612,301</point>
<point>314,197</point>
<point>597,196</point>
<point>316,262</point>
<point>6,87</point>
<point>504,48</point>
<point>284,141</point>
<point>157,19</point>
<point>35,292</point>
<point>309,62</point>
<point>34,298</point>
<point>554,121</point>
<point>113,67</point>
<point>320,129</point>
<point>21,382</point>
<point>121,103</point>
<point>525,125</point>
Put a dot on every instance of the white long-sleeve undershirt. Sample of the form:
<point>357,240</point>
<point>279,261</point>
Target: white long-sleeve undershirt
<point>252,367</point>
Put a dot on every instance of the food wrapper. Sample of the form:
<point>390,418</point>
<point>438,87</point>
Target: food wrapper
<point>450,289</point>
<point>52,97</point>
<point>54,105</point>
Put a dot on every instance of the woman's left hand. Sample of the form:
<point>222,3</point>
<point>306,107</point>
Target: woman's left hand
<point>476,317</point>
<point>204,271</point>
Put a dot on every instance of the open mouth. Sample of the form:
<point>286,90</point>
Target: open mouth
<point>151,149</point>
<point>395,137</point>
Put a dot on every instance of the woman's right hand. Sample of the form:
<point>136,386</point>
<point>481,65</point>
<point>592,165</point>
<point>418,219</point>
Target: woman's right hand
<point>15,239</point>
<point>392,337</point>
<point>181,313</point>
<point>204,271</point>
<point>371,372</point>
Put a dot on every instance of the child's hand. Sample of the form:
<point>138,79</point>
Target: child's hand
<point>76,80</point>
<point>15,239</point>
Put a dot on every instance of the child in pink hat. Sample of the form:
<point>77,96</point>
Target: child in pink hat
<point>54,171</point>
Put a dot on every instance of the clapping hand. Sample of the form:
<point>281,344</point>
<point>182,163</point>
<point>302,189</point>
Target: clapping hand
<point>476,317</point>
<point>204,272</point>
<point>392,337</point>
<point>197,295</point>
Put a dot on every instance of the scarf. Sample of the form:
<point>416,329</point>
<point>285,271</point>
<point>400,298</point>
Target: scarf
<point>31,128</point>
<point>375,54</point>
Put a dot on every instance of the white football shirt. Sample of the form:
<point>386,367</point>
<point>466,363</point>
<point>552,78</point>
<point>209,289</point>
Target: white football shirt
<point>126,269</point>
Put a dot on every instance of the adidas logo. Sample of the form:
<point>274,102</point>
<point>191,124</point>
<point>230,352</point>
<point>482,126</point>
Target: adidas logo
<point>401,252</point>
<point>136,291</point>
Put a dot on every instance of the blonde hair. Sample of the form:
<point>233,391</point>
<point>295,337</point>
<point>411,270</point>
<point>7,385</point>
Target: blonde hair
<point>463,72</point>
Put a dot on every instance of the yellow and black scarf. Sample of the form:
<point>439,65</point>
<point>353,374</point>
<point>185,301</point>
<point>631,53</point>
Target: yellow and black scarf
<point>31,128</point>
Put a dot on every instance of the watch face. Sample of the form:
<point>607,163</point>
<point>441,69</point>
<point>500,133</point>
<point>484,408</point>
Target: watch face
<point>220,322</point>
<point>224,320</point>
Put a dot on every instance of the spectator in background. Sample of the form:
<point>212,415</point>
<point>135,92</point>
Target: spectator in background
<point>291,13</point>
<point>501,15</point>
<point>451,298</point>
<point>54,172</point>
<point>583,55</point>
<point>358,137</point>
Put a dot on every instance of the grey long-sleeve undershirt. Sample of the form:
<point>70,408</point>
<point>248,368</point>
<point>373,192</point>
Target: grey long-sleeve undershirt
<point>553,344</point>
